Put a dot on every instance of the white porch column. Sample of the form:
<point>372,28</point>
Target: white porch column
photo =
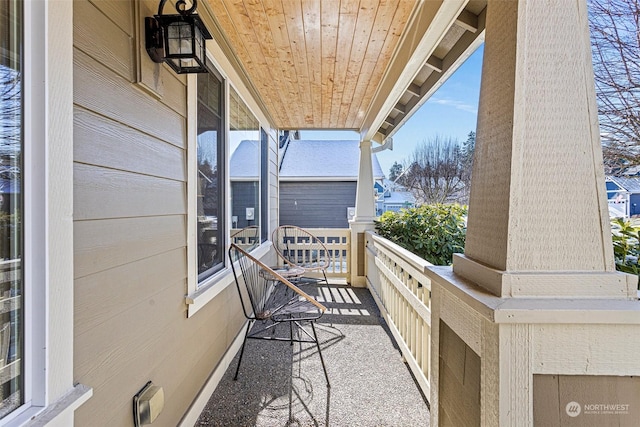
<point>365,215</point>
<point>535,297</point>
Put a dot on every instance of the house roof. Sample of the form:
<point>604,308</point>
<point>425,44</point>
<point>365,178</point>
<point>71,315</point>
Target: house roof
<point>399,198</point>
<point>245,160</point>
<point>393,186</point>
<point>366,66</point>
<point>631,184</point>
<point>325,160</point>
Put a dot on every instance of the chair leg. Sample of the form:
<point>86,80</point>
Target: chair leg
<point>324,368</point>
<point>291,330</point>
<point>250,323</point>
<point>333,299</point>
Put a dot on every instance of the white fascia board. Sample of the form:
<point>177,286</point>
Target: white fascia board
<point>428,25</point>
<point>322,178</point>
<point>319,178</point>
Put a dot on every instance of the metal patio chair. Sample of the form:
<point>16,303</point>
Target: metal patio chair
<point>270,299</point>
<point>298,247</point>
<point>247,238</point>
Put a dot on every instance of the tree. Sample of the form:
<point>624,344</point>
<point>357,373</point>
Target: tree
<point>395,171</point>
<point>615,42</point>
<point>10,111</point>
<point>436,171</point>
<point>468,147</point>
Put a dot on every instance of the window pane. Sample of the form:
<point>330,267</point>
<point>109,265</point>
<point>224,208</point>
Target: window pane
<point>245,165</point>
<point>11,143</point>
<point>179,39</point>
<point>264,184</point>
<point>210,175</point>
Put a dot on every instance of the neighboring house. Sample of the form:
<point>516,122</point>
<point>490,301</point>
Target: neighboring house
<point>391,196</point>
<point>623,195</point>
<point>318,182</point>
<point>244,171</point>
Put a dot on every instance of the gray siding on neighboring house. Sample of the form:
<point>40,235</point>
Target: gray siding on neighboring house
<point>634,200</point>
<point>245,195</point>
<point>316,204</point>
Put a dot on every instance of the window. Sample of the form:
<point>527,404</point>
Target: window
<point>211,175</point>
<point>227,185</point>
<point>11,211</point>
<point>244,165</point>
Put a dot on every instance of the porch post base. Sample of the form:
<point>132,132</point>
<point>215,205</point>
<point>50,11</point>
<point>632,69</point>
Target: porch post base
<point>357,270</point>
<point>531,361</point>
<point>534,284</point>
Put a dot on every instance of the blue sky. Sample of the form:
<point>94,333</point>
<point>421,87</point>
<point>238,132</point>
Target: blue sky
<point>451,112</point>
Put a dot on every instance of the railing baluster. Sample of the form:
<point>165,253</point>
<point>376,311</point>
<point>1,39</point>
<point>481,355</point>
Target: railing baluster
<point>402,292</point>
<point>338,243</point>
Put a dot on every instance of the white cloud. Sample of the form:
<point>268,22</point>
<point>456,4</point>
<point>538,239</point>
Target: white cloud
<point>459,105</point>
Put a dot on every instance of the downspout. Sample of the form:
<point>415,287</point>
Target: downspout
<point>387,144</point>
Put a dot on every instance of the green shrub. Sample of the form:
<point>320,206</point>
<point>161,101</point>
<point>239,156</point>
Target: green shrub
<point>625,238</point>
<point>433,232</point>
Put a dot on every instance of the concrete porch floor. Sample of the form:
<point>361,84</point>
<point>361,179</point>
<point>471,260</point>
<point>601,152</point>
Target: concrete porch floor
<point>284,385</point>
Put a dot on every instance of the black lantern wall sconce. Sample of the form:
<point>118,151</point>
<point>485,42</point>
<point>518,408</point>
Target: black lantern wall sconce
<point>178,40</point>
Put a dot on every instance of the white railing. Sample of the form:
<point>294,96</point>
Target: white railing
<point>397,281</point>
<point>338,243</point>
<point>10,304</point>
<point>247,238</point>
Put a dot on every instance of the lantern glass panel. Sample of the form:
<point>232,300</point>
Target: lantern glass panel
<point>200,48</point>
<point>179,40</point>
<point>187,63</point>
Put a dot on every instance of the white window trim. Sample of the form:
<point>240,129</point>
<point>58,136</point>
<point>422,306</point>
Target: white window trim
<point>198,295</point>
<point>192,190</point>
<point>218,283</point>
<point>50,394</point>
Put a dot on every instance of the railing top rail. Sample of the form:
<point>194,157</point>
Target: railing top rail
<point>329,231</point>
<point>419,263</point>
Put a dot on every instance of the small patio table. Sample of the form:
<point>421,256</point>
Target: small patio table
<point>288,272</point>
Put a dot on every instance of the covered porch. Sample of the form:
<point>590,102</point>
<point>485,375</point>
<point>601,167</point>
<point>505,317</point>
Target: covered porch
<point>128,150</point>
<point>375,342</point>
<point>537,272</point>
<point>279,384</point>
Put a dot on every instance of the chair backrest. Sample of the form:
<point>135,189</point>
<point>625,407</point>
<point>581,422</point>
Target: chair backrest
<point>247,238</point>
<point>298,247</point>
<point>255,282</point>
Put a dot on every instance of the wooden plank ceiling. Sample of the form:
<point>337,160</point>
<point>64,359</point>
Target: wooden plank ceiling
<point>323,64</point>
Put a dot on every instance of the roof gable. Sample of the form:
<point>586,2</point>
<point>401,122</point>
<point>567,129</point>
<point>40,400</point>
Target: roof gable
<point>245,160</point>
<point>324,159</point>
<point>631,184</point>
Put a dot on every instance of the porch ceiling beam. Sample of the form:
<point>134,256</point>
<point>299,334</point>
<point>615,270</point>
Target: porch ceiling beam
<point>427,27</point>
<point>467,44</point>
<point>414,89</point>
<point>400,108</point>
<point>468,21</point>
<point>434,63</point>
